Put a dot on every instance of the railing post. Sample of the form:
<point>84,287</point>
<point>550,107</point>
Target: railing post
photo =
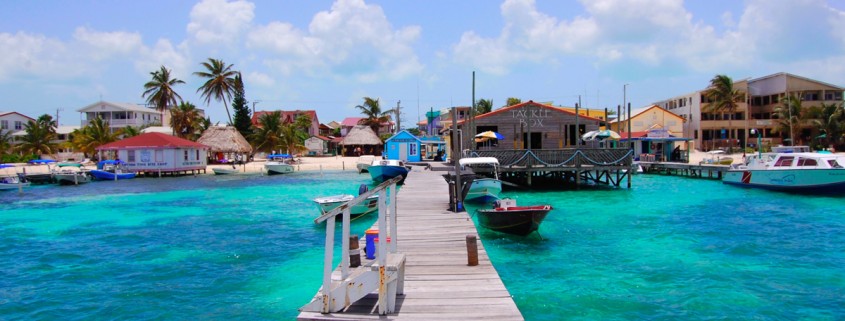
<point>393,214</point>
<point>327,265</point>
<point>382,251</point>
<point>344,258</point>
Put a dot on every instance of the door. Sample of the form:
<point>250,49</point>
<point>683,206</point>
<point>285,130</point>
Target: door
<point>403,152</point>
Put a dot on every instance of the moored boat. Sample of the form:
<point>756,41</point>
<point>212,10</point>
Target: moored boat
<point>224,171</point>
<point>363,163</point>
<point>111,170</point>
<point>12,183</point>
<point>278,164</point>
<point>791,172</point>
<point>483,189</point>
<point>71,174</point>
<point>384,169</point>
<point>507,217</point>
<point>328,203</point>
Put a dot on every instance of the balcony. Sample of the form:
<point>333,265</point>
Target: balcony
<point>120,123</point>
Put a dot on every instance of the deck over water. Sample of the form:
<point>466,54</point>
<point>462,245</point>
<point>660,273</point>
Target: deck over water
<point>439,285</point>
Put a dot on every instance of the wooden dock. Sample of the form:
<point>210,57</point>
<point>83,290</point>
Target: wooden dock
<point>713,171</point>
<point>438,283</point>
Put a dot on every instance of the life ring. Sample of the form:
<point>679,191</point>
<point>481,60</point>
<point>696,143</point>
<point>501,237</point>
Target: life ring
<point>653,146</point>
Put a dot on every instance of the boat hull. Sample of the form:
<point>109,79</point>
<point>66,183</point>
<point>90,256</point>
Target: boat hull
<point>40,178</point>
<point>326,204</point>
<point>12,183</point>
<point>483,190</point>
<point>521,220</point>
<point>789,180</point>
<point>381,173</point>
<point>109,176</point>
<point>224,171</point>
<point>72,179</point>
<point>276,169</point>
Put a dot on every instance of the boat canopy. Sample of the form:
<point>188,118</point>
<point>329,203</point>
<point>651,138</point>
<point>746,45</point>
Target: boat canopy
<point>42,161</point>
<point>272,156</point>
<point>110,162</point>
<point>77,165</point>
<point>478,161</point>
<point>6,166</point>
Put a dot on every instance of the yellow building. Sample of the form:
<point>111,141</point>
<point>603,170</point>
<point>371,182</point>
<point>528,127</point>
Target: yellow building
<point>657,134</point>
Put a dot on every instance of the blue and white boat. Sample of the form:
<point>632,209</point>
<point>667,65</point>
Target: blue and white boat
<point>71,174</point>
<point>111,170</point>
<point>384,169</point>
<point>278,164</point>
<point>12,181</point>
<point>791,172</point>
<point>483,189</point>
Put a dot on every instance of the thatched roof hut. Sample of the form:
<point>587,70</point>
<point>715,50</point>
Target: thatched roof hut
<point>361,135</point>
<point>225,139</point>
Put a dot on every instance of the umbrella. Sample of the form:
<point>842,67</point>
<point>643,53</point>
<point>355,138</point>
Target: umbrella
<point>600,135</point>
<point>590,135</point>
<point>490,134</point>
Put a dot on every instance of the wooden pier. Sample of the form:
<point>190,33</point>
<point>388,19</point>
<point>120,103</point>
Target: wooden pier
<point>438,282</point>
<point>691,170</point>
<point>608,166</point>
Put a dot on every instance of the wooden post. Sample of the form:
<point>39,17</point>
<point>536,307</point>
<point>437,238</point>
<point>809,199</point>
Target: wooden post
<point>354,252</point>
<point>472,250</point>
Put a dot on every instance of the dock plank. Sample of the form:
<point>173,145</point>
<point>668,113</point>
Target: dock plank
<point>439,285</point>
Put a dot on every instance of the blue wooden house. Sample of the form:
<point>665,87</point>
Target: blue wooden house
<point>403,146</point>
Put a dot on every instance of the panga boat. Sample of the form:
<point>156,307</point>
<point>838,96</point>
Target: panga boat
<point>384,169</point>
<point>364,162</point>
<point>483,189</point>
<point>328,203</point>
<point>278,164</point>
<point>506,217</point>
<point>71,174</point>
<point>791,172</point>
<point>11,183</point>
<point>224,171</point>
<point>111,170</point>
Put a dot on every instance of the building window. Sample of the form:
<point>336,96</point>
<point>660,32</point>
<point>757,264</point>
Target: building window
<point>412,149</point>
<point>18,125</point>
<point>131,156</point>
<point>198,154</point>
<point>186,155</point>
<point>4,124</point>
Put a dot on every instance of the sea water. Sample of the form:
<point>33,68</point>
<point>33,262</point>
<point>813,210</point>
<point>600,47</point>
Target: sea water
<point>246,248</point>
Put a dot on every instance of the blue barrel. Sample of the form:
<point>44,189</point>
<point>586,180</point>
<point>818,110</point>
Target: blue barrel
<point>371,236</point>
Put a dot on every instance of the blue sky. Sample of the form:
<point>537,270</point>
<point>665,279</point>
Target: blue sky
<point>328,55</point>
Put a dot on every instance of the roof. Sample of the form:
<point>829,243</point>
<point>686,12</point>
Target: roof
<point>786,74</point>
<point>4,113</point>
<point>361,135</point>
<point>151,140</point>
<point>287,116</point>
<point>403,133</point>
<point>122,106</point>
<point>530,102</point>
<point>350,121</point>
<point>226,139</point>
<point>638,111</point>
<point>158,129</point>
<point>321,137</point>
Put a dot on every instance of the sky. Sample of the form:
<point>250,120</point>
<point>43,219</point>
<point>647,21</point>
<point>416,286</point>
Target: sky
<point>60,56</point>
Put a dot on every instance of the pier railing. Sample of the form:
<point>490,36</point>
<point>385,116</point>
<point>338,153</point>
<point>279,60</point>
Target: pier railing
<point>560,157</point>
<point>335,298</point>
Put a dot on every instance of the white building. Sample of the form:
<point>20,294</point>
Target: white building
<point>120,115</point>
<point>12,121</point>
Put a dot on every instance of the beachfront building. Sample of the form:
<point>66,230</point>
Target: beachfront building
<point>120,115</point>
<point>718,130</point>
<point>546,126</point>
<point>403,146</point>
<point>657,134</point>
<point>361,140</point>
<point>289,117</point>
<point>157,153</point>
<point>317,145</point>
<point>12,121</point>
<point>441,119</point>
<point>349,123</point>
<point>225,145</point>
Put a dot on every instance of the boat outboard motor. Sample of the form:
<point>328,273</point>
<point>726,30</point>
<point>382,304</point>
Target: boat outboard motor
<point>363,189</point>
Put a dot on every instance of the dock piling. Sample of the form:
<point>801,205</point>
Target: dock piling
<point>472,250</point>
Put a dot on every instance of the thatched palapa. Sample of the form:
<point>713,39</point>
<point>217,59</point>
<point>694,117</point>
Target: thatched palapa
<point>361,140</point>
<point>225,139</point>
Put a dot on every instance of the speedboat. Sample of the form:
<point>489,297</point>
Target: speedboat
<point>111,170</point>
<point>41,178</point>
<point>507,217</point>
<point>363,163</point>
<point>790,171</point>
<point>384,169</point>
<point>224,171</point>
<point>71,174</point>
<point>278,164</point>
<point>483,189</point>
<point>12,182</point>
<point>328,203</point>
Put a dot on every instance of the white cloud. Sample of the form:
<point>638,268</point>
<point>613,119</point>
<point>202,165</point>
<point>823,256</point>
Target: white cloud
<point>352,39</point>
<point>259,79</point>
<point>25,54</point>
<point>175,58</point>
<point>220,21</point>
<point>102,45</point>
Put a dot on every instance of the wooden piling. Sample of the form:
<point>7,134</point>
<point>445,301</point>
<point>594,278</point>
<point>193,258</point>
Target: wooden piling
<point>472,250</point>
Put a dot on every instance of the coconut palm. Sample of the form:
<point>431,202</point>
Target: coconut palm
<point>220,85</point>
<point>831,121</point>
<point>159,91</point>
<point>5,142</point>
<point>375,116</point>
<point>483,106</point>
<point>291,141</point>
<point>724,98</point>
<point>39,136</point>
<point>512,101</point>
<point>788,116</point>
<point>185,121</point>
<point>268,135</point>
<point>129,131</point>
<point>95,134</point>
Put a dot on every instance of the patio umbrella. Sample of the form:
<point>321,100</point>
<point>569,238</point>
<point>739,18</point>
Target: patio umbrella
<point>590,135</point>
<point>490,134</point>
<point>607,134</point>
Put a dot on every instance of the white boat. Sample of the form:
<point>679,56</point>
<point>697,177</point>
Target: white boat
<point>328,203</point>
<point>71,174</point>
<point>224,171</point>
<point>483,189</point>
<point>364,162</point>
<point>787,171</point>
<point>12,183</point>
<point>384,169</point>
<point>278,164</point>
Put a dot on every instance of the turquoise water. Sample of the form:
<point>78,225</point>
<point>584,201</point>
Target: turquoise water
<point>246,248</point>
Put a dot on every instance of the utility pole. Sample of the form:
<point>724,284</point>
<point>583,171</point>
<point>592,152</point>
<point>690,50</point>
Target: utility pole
<point>57,115</point>
<point>398,117</point>
<point>253,105</point>
<point>472,116</point>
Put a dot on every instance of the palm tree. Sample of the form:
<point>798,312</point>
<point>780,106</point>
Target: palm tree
<point>483,106</point>
<point>159,91</point>
<point>291,140</point>
<point>724,98</point>
<point>185,120</point>
<point>831,121</point>
<point>39,136</point>
<point>268,135</point>
<point>375,116</point>
<point>129,131</point>
<point>788,115</point>
<point>95,134</point>
<point>5,142</point>
<point>513,101</point>
<point>220,85</point>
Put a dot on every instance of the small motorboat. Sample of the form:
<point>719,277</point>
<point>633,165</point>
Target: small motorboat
<point>224,171</point>
<point>384,169</point>
<point>328,203</point>
<point>111,170</point>
<point>507,217</point>
<point>363,163</point>
<point>12,183</point>
<point>278,164</point>
<point>71,174</point>
<point>483,189</point>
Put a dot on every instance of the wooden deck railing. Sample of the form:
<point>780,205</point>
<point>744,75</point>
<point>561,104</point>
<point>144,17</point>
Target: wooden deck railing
<point>560,157</point>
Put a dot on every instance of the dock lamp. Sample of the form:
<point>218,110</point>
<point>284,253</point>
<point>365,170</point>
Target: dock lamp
<point>759,139</point>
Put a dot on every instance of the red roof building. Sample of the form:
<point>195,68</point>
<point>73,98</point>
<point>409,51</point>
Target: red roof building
<point>289,117</point>
<point>157,152</point>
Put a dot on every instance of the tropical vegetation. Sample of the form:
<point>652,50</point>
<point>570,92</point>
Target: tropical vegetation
<point>268,136</point>
<point>185,121</point>
<point>374,115</point>
<point>93,135</point>
<point>243,117</point>
<point>512,101</point>
<point>159,90</point>
<point>483,106</point>
<point>220,84</point>
<point>724,98</point>
<point>38,137</point>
